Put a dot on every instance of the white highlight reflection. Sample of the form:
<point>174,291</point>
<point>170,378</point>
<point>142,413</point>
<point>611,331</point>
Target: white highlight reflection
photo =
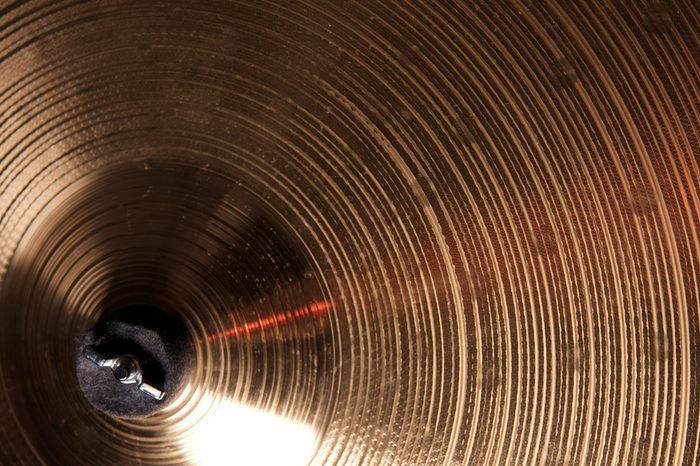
<point>235,434</point>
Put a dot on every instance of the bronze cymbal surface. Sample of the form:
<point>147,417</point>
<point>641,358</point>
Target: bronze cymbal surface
<point>426,233</point>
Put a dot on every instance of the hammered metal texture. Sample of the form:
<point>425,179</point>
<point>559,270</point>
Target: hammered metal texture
<point>400,232</point>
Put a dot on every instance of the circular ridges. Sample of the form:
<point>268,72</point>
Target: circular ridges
<point>416,233</point>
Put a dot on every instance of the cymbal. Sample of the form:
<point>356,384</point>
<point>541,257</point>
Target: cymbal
<point>396,232</point>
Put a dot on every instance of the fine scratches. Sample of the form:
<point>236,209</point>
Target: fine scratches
<point>400,232</point>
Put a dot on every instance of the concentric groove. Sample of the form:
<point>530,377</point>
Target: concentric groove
<point>399,232</point>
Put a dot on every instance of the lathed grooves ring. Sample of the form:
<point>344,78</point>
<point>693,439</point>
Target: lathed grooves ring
<point>398,232</point>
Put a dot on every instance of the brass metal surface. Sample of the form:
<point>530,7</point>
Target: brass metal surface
<point>400,232</point>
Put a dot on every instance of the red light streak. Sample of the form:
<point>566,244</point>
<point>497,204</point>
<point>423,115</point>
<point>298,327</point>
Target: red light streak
<point>313,310</point>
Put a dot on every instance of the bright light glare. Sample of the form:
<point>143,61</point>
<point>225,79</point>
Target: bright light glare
<point>233,434</point>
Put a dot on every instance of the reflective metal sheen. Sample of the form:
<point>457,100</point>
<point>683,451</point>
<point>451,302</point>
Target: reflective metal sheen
<point>399,232</point>
<point>126,370</point>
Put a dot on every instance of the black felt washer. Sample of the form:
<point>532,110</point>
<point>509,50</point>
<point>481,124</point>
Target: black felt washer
<point>158,340</point>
